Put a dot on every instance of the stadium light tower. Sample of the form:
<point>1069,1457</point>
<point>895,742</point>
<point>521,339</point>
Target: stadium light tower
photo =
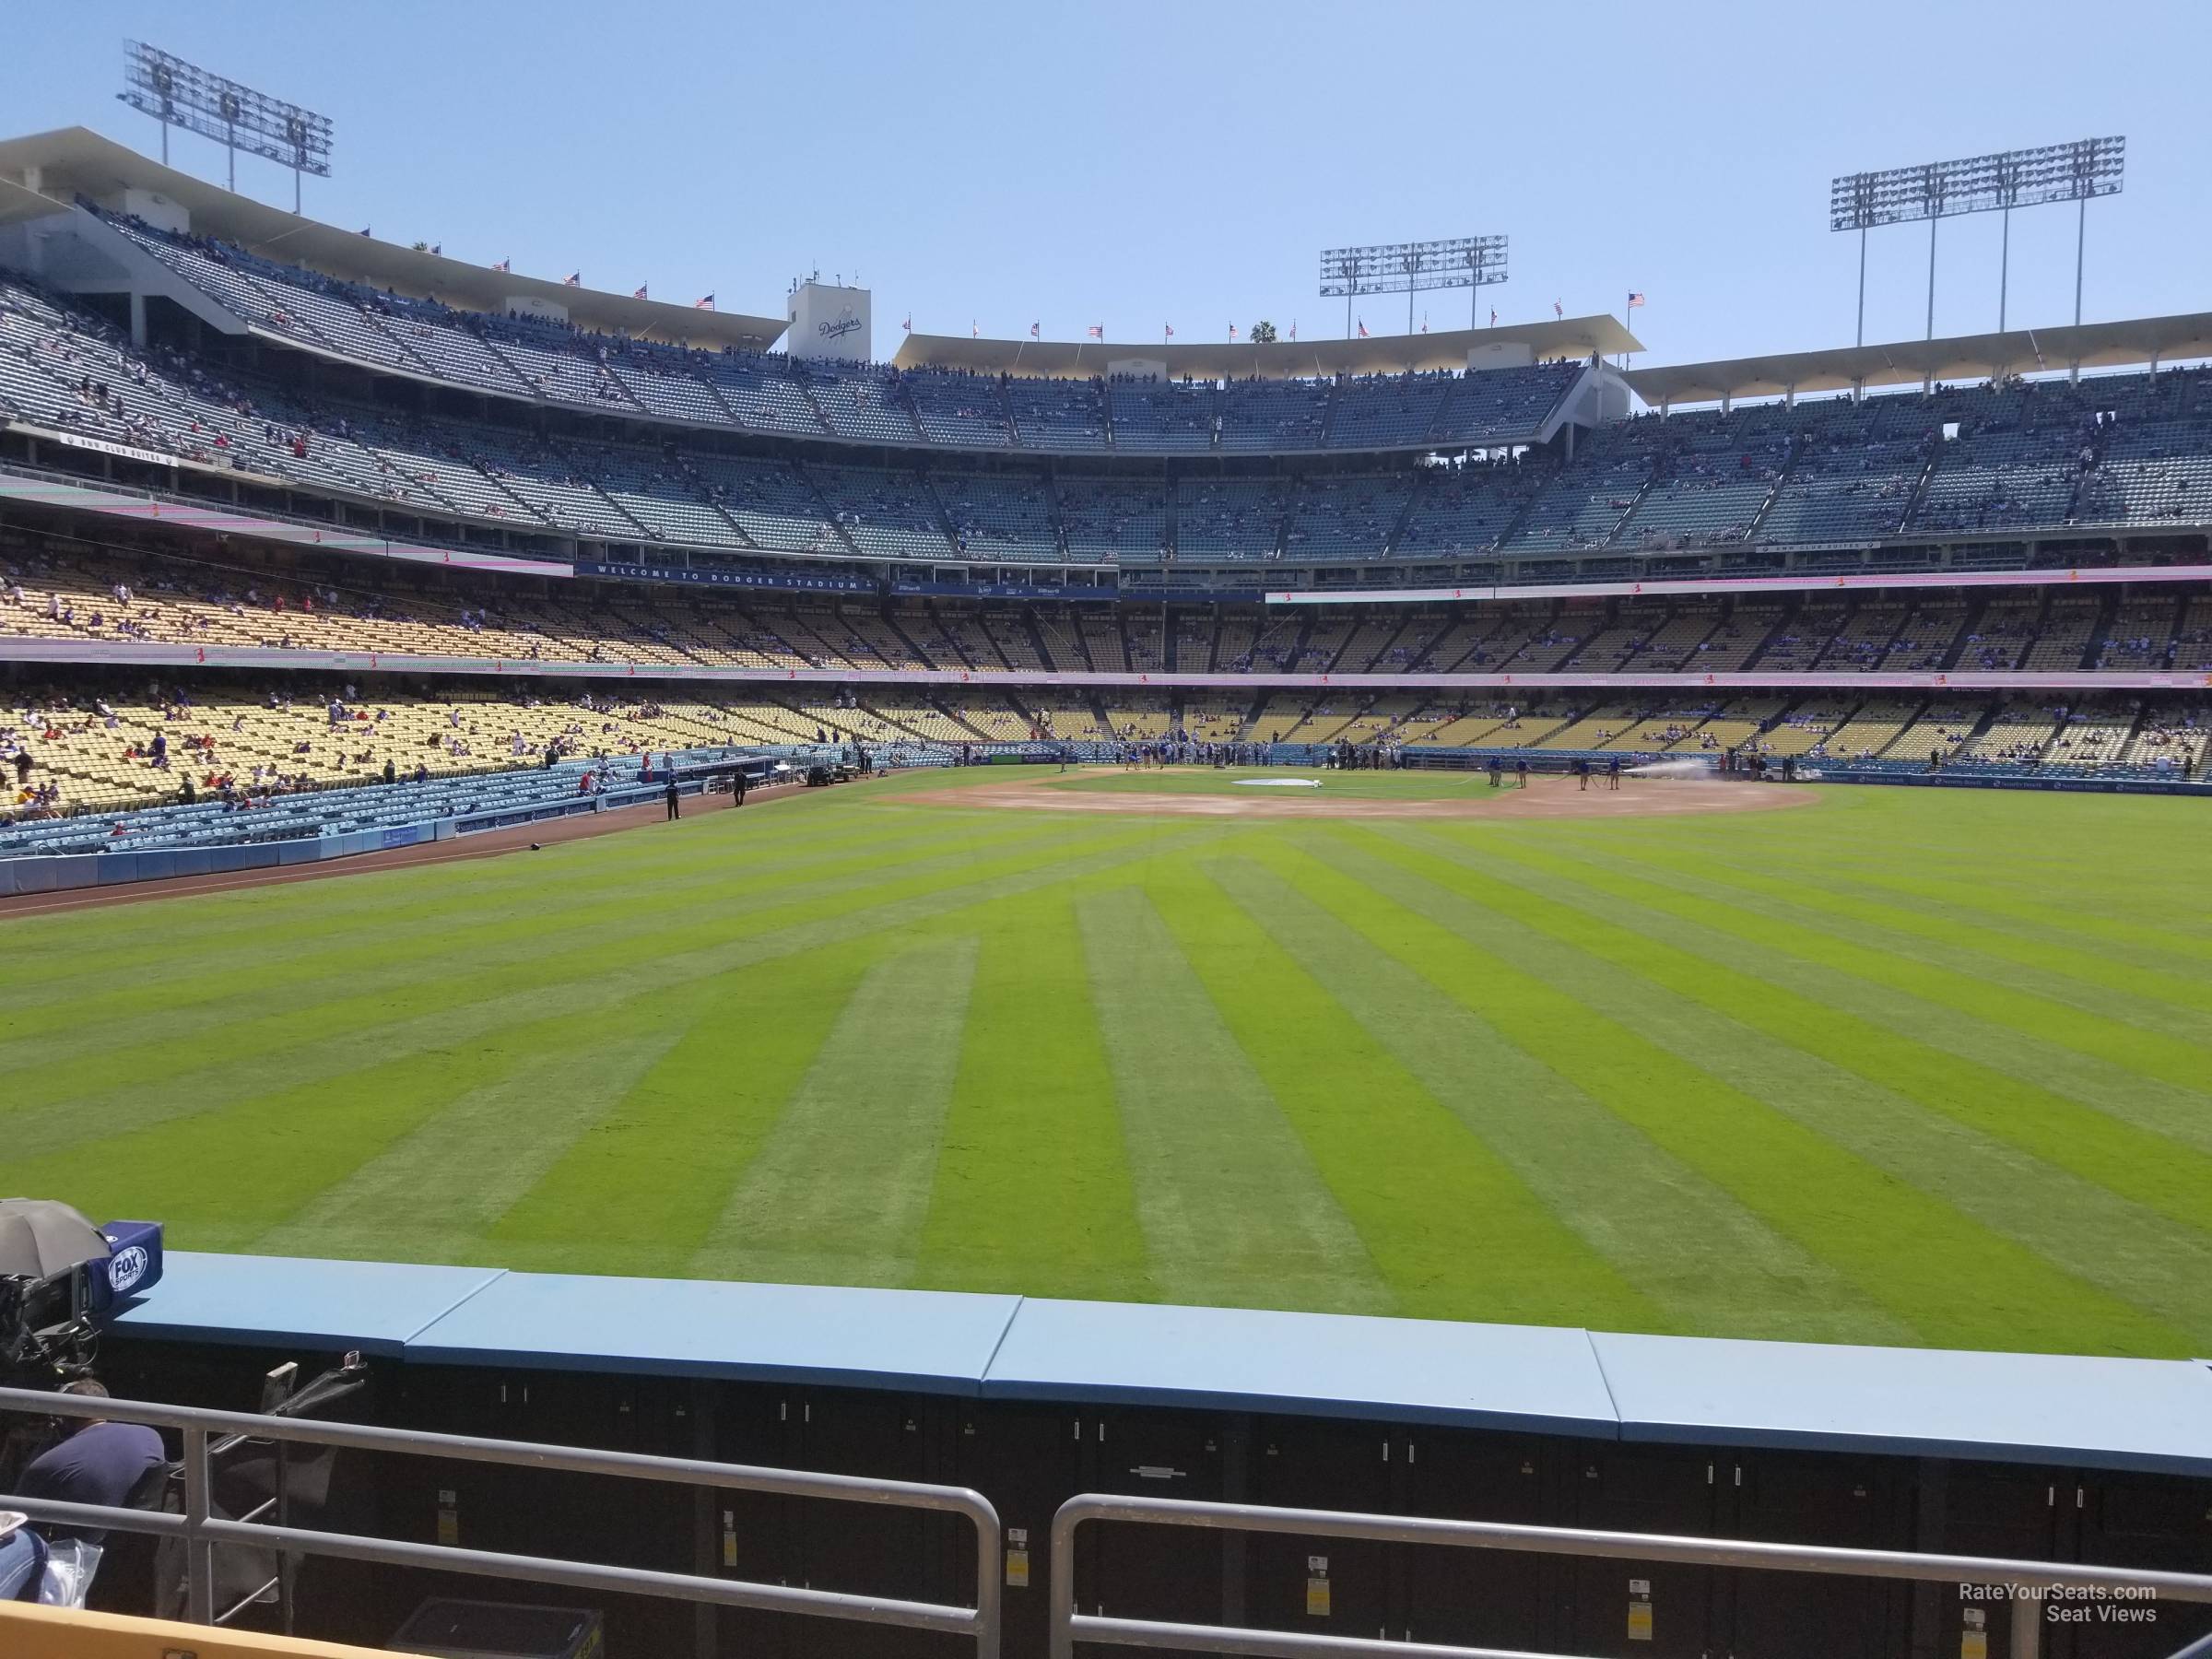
<point>1938,189</point>
<point>1469,262</point>
<point>179,94</point>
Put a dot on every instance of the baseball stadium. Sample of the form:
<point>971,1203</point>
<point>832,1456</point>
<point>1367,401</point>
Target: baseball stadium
<point>1459,944</point>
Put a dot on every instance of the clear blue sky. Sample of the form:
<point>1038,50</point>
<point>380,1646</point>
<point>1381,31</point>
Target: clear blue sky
<point>1138,163</point>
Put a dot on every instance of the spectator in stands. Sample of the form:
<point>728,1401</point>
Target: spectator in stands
<point>98,1462</point>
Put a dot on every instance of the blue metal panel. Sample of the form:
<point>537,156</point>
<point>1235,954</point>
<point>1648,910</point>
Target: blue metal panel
<point>293,1301</point>
<point>1524,1377</point>
<point>2077,1410</point>
<point>931,1342</point>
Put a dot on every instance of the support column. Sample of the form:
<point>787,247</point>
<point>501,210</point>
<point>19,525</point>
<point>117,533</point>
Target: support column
<point>138,319</point>
<point>1932,224</point>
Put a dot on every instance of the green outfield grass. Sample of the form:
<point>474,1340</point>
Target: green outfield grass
<point>1905,1067</point>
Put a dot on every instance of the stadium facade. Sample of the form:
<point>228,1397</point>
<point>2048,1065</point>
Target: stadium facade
<point>233,440</point>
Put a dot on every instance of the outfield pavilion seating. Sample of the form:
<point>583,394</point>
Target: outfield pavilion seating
<point>323,812</point>
<point>1109,518</point>
<point>1637,487</point>
<point>1496,406</point>
<point>1863,639</point>
<point>1593,726</point>
<point>999,516</point>
<point>865,407</point>
<point>1926,637</point>
<point>1870,731</point>
<point>99,750</point>
<point>2169,742</point>
<point>762,395</point>
<point>1009,639</point>
<point>1233,521</point>
<point>2193,639</point>
<point>1807,632</point>
<point>1942,728</point>
<point>2151,474</point>
<point>1581,507</point>
<point>1152,415</point>
<point>560,366</point>
<point>2016,463</point>
<point>2002,634</point>
<point>770,502</point>
<point>1344,515</point>
<point>1101,634</point>
<point>1191,639</point>
<point>2065,631</point>
<point>1319,647</point>
<point>1806,726</point>
<point>2141,634</point>
<point>1260,415</point>
<point>2093,735</point>
<point>662,493</point>
<point>1057,415</point>
<point>1675,642</point>
<point>964,411</point>
<point>1465,509</point>
<point>2016,732</point>
<point>1381,410</point>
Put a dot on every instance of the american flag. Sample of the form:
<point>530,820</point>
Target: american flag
<point>438,250</point>
<point>640,293</point>
<point>704,302</point>
<point>574,279</point>
<point>1294,328</point>
<point>1232,331</point>
<point>504,265</point>
<point>1097,331</point>
<point>975,331</point>
<point>1170,327</point>
<point>1635,300</point>
<point>1493,316</point>
<point>909,323</point>
<point>1036,331</point>
<point>1557,310</point>
<point>1363,328</point>
<point>1424,322</point>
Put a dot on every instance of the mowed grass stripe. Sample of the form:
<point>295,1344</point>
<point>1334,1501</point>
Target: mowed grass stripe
<point>1033,1191</point>
<point>837,1192</point>
<point>640,1190</point>
<point>1934,1268</point>
<point>225,1075</point>
<point>645,938</point>
<point>219,1177</point>
<point>85,945</point>
<point>1452,1230</point>
<point>1698,1014</point>
<point>1233,1212</point>
<point>1705,1259</point>
<point>2075,995</point>
<point>152,1007</point>
<point>2135,1135</point>
<point>440,1187</point>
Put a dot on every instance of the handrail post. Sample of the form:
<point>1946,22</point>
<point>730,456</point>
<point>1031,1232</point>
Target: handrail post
<point>2026,1623</point>
<point>199,1552</point>
<point>990,1569</point>
<point>1062,1566</point>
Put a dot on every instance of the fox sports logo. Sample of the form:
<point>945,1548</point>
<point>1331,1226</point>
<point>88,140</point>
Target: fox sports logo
<point>126,1267</point>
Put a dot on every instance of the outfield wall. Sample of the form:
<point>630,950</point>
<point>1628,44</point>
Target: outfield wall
<point>1030,1401</point>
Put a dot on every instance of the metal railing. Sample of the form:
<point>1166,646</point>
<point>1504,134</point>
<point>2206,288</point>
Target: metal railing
<point>202,1531</point>
<point>2028,1581</point>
